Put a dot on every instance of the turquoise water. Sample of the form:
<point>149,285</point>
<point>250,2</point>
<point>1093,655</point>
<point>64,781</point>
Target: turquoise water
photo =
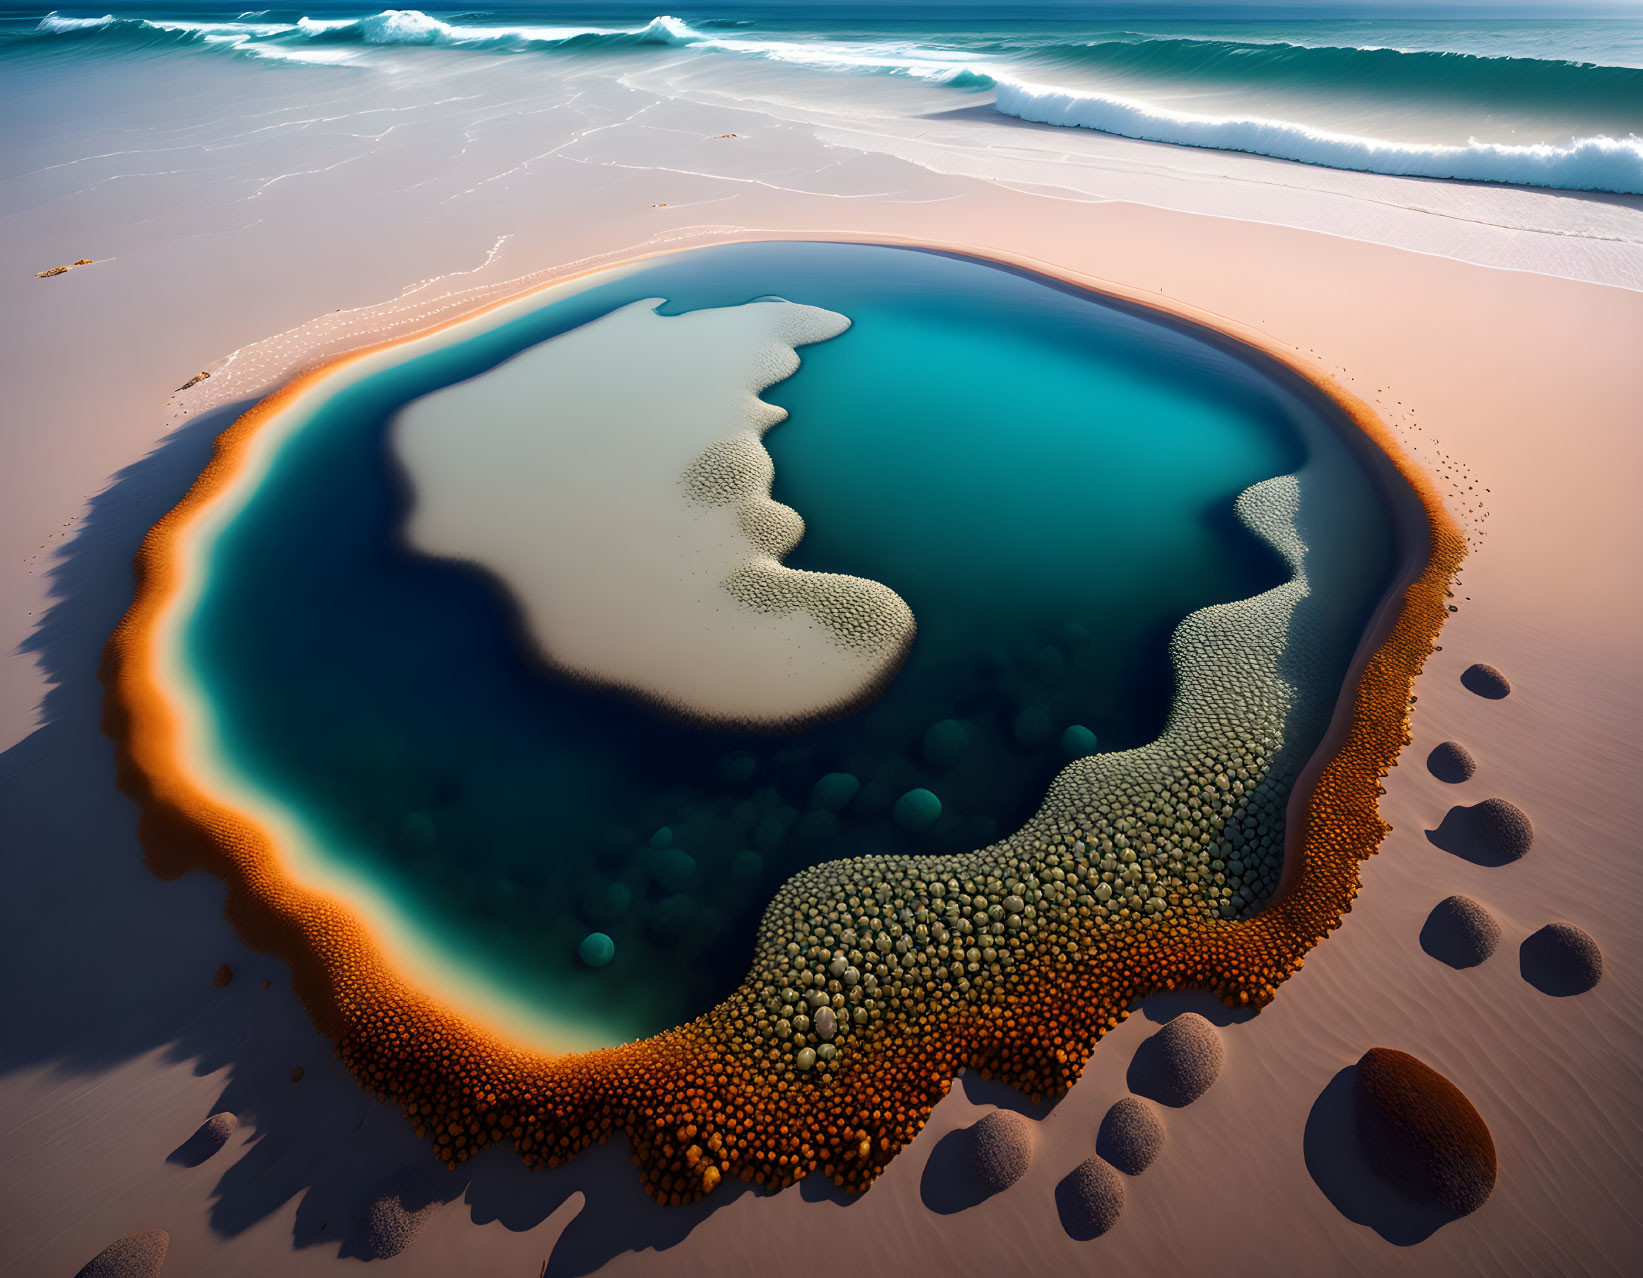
<point>1479,96</point>
<point>1046,479</point>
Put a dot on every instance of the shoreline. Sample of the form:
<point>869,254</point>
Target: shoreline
<point>338,969</point>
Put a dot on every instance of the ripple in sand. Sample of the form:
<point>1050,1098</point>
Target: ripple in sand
<point>1561,960</point>
<point>1460,932</point>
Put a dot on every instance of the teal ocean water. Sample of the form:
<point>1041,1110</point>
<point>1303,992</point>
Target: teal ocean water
<point>1045,478</point>
<point>1554,100</point>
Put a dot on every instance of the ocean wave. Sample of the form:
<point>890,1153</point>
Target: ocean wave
<point>1585,164</point>
<point>1525,83</point>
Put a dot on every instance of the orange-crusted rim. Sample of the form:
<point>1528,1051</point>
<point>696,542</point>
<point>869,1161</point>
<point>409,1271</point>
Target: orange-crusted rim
<point>692,1101</point>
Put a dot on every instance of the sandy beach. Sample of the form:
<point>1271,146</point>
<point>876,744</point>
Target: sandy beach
<point>1491,327</point>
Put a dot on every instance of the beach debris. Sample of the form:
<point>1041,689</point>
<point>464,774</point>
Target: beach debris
<point>1179,1063</point>
<point>1001,1145</point>
<point>1421,1134</point>
<point>396,1215</point>
<point>1486,681</point>
<point>662,205</point>
<point>61,270</point>
<point>134,1256</point>
<point>1090,1199</point>
<point>224,974</point>
<point>1561,959</point>
<point>1451,762</point>
<point>718,136</point>
<point>1460,932</point>
<point>209,1137</point>
<point>193,381</point>
<point>1131,1135</point>
<point>296,1074</point>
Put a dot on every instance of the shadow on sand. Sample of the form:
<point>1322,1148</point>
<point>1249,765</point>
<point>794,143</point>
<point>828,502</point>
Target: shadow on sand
<point>124,962</point>
<point>1337,1164</point>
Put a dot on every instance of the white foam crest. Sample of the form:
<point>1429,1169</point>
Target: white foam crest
<point>1585,164</point>
<point>55,22</point>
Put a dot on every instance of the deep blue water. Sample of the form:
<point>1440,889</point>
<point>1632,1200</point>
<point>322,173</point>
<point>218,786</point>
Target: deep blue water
<point>1045,478</point>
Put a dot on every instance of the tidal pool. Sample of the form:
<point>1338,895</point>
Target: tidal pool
<point>1046,478</point>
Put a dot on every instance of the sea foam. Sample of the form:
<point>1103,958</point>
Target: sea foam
<point>1585,164</point>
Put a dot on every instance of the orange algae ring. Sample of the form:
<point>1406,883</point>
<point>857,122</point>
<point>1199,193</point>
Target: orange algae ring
<point>820,1060</point>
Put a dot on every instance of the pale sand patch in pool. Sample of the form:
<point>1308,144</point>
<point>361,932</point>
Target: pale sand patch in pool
<point>614,481</point>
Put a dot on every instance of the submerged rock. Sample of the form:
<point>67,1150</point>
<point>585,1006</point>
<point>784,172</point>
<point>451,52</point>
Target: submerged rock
<point>1078,741</point>
<point>596,949</point>
<point>1421,1134</point>
<point>945,743</point>
<point>917,809</point>
<point>834,791</point>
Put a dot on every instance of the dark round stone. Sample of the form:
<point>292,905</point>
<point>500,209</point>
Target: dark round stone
<point>1486,681</point>
<point>1421,1134</point>
<point>1001,1147</point>
<point>1179,1063</point>
<point>1131,1135</point>
<point>1561,959</point>
<point>1452,762</point>
<point>1090,1199</point>
<point>1460,932</point>
<point>134,1256</point>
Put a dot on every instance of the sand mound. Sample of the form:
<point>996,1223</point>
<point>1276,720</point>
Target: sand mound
<point>1131,1135</point>
<point>1178,1064</point>
<point>1561,959</point>
<point>207,1139</point>
<point>1001,1148</point>
<point>134,1256</point>
<point>1090,1199</point>
<point>1421,1134</point>
<point>1486,681</point>
<point>1452,762</point>
<point>1494,832</point>
<point>1460,932</point>
<point>396,1216</point>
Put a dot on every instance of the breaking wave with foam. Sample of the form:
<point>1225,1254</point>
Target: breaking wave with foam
<point>1580,121</point>
<point>1585,164</point>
